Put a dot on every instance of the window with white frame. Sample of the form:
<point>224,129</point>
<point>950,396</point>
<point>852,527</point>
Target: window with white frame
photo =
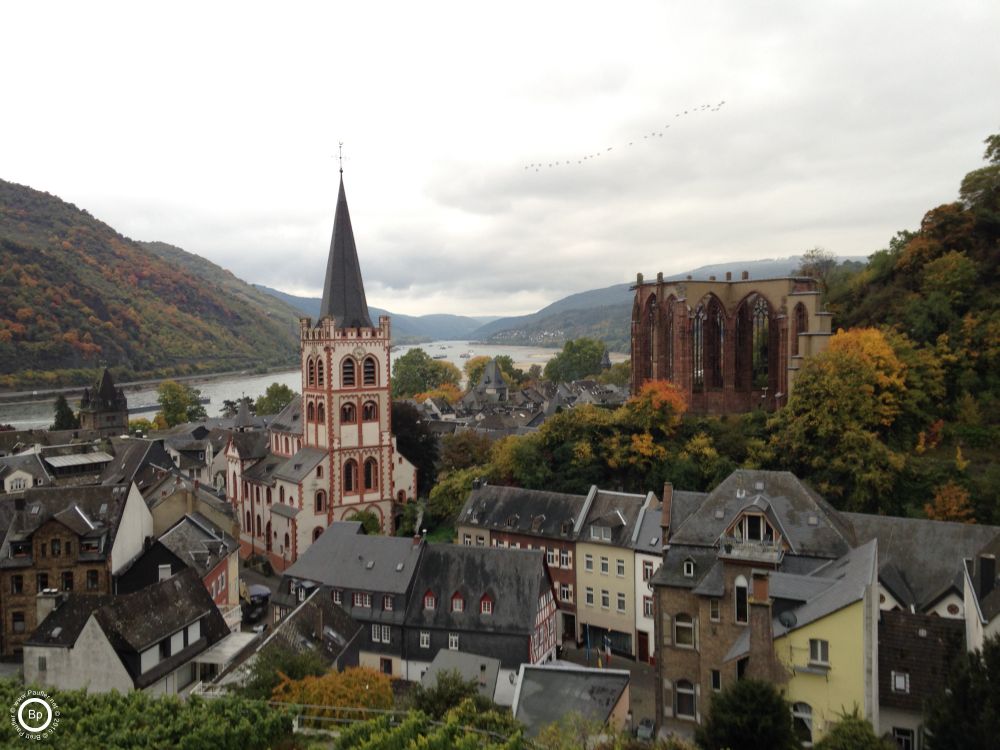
<point>376,633</point>
<point>589,596</point>
<point>905,738</point>
<point>362,599</point>
<point>480,541</point>
<point>819,652</point>
<point>565,592</point>
<point>684,631</point>
<point>689,568</point>
<point>486,606</point>
<point>453,641</point>
<point>386,632</point>
<point>467,540</point>
<point>550,556</point>
<point>457,603</point>
<point>387,602</point>
<point>647,606</point>
<point>605,566</point>
<point>588,563</point>
<point>621,602</point>
<point>564,558</point>
<point>802,723</point>
<point>338,596</point>
<point>430,601</point>
<point>605,599</point>
<point>620,568</point>
<point>900,682</point>
<point>684,700</point>
<point>425,639</point>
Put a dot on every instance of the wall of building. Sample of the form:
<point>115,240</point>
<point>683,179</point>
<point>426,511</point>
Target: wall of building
<point>845,684</point>
<point>135,525</point>
<point>90,665</point>
<point>609,618</point>
<point>644,623</point>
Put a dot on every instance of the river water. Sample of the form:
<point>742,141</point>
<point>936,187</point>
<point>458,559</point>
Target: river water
<point>31,413</point>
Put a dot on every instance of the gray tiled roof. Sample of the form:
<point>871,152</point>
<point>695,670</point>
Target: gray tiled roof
<point>534,512</point>
<point>648,537</point>
<point>28,462</point>
<point>549,692</point>
<point>299,466</point>
<point>289,419</point>
<point>198,542</point>
<point>250,444</point>
<point>63,625</point>
<point>343,289</point>
<point>617,510</point>
<point>513,578</point>
<point>790,501</point>
<point>926,554</point>
<point>483,669</point>
<point>340,559</point>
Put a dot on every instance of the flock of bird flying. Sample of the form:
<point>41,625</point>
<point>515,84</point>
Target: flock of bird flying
<point>538,166</point>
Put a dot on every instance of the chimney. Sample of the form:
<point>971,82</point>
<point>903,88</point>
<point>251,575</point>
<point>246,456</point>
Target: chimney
<point>668,501</point>
<point>762,664</point>
<point>744,275</point>
<point>47,601</point>
<point>987,575</point>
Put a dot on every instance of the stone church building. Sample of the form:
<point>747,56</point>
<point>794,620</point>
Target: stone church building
<point>730,346</point>
<point>331,452</point>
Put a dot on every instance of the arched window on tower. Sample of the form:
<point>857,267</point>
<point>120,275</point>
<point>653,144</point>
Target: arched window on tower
<point>257,530</point>
<point>248,528</point>
<point>348,373</point>
<point>801,326</point>
<point>268,495</point>
<point>318,532</point>
<point>649,360</point>
<point>761,339</point>
<point>281,494</point>
<point>311,378</point>
<point>369,412</point>
<point>350,475</point>
<point>320,504</point>
<point>310,412</point>
<point>348,414</point>
<point>320,413</point>
<point>370,371</point>
<point>371,474</point>
<point>319,372</point>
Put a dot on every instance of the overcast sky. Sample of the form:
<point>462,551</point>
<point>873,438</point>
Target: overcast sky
<point>214,126</point>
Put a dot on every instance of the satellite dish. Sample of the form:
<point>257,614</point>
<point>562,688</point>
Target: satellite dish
<point>788,619</point>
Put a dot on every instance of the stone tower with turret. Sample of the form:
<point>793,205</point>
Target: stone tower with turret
<point>104,408</point>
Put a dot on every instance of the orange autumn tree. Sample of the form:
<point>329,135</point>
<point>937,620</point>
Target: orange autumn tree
<point>337,692</point>
<point>951,503</point>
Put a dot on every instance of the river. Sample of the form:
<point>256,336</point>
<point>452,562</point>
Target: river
<point>38,413</point>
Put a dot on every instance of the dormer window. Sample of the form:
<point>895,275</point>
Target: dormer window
<point>601,532</point>
<point>753,527</point>
<point>689,568</point>
<point>457,603</point>
<point>430,601</point>
<point>486,605</point>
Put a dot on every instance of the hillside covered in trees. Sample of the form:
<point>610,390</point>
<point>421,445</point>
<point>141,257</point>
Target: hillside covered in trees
<point>78,295</point>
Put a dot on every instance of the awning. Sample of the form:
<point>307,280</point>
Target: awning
<point>223,652</point>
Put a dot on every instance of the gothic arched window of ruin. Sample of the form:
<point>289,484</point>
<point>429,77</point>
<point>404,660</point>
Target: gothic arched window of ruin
<point>698,348</point>
<point>649,360</point>
<point>801,326</point>
<point>761,339</point>
<point>668,339</point>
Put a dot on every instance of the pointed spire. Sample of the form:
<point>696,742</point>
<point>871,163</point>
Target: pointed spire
<point>343,290</point>
<point>243,420</point>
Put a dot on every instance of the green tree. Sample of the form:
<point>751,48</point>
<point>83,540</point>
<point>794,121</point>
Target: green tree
<point>460,450</point>
<point>449,495</point>
<point>853,732</point>
<point>417,372</point>
<point>965,714</point>
<point>750,715</point>
<point>231,407</point>
<point>448,691</point>
<point>619,374</point>
<point>578,359</point>
<point>276,662</point>
<point>817,263</point>
<point>474,370</point>
<point>417,444</point>
<point>65,419</point>
<point>179,403</point>
<point>141,426</point>
<point>368,520</point>
<point>275,398</point>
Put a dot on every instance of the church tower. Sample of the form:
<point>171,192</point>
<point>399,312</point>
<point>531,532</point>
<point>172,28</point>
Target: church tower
<point>346,406</point>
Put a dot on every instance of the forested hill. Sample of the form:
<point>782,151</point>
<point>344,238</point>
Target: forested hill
<point>79,295</point>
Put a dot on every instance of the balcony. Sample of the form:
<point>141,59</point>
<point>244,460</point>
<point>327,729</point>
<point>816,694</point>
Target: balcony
<point>751,550</point>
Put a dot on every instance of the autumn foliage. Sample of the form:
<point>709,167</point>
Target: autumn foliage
<point>951,503</point>
<point>354,688</point>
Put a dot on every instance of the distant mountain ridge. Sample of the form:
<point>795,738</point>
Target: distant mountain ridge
<point>405,328</point>
<point>80,296</point>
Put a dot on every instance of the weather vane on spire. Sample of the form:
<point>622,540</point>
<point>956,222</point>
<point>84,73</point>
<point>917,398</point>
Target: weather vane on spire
<point>340,155</point>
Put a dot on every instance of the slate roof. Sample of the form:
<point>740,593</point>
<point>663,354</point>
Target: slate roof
<point>617,510</point>
<point>513,578</point>
<point>250,444</point>
<point>289,419</point>
<point>534,512</point>
<point>548,692</point>
<point>264,471</point>
<point>63,625</point>
<point>174,481</point>
<point>683,505</point>
<point>648,535</point>
<point>198,542</point>
<point>300,465</point>
<point>132,456</point>
<point>340,557</point>
<point>788,499</point>
<point>101,505</point>
<point>343,290</point>
<point>923,647</point>
<point>922,554</point>
<point>989,606</point>
<point>316,625</point>
<point>27,462</point>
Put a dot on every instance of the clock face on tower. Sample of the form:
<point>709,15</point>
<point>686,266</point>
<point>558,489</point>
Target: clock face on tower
<point>359,352</point>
